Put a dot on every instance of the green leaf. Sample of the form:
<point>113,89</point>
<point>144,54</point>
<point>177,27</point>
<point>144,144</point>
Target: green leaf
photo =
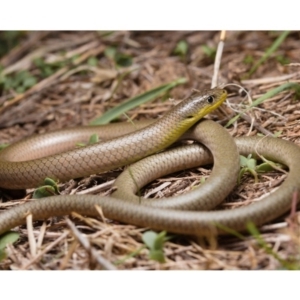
<point>110,52</point>
<point>51,182</point>
<point>243,161</point>
<point>210,52</point>
<point>49,188</point>
<point>155,243</point>
<point>44,191</point>
<point>123,60</point>
<point>8,238</point>
<point>94,138</point>
<point>160,240</point>
<point>264,167</point>
<point>149,239</point>
<point>181,48</point>
<point>157,255</point>
<point>251,163</point>
<point>92,61</point>
<point>20,89</point>
<point>29,82</point>
<point>248,59</point>
<point>136,101</point>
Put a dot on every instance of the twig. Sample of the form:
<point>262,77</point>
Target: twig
<point>41,236</point>
<point>214,81</point>
<point>48,248</point>
<point>97,188</point>
<point>31,239</point>
<point>256,125</point>
<point>105,264</point>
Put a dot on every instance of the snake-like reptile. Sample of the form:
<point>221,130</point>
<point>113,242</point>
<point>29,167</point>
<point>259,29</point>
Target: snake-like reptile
<point>26,163</point>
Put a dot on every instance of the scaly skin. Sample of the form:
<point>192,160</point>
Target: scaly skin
<point>169,217</point>
<point>17,172</point>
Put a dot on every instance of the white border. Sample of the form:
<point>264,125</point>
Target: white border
<point>149,15</point>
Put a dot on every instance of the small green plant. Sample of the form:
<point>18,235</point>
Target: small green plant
<point>181,49</point>
<point>19,82</point>
<point>210,52</point>
<point>92,61</point>
<point>47,69</point>
<point>7,238</point>
<point>120,59</point>
<point>155,242</point>
<point>49,188</point>
<point>249,59</point>
<point>249,164</point>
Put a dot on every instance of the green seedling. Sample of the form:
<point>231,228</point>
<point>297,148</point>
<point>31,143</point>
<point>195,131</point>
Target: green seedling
<point>249,164</point>
<point>181,49</point>
<point>49,188</point>
<point>210,52</point>
<point>120,59</point>
<point>19,82</point>
<point>155,242</point>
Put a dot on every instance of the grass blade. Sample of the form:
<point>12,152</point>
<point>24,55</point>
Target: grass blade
<point>269,51</point>
<point>269,94</point>
<point>136,101</point>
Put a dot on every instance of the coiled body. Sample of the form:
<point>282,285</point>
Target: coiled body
<point>174,214</point>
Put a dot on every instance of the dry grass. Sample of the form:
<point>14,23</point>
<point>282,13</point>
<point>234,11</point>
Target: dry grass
<point>75,94</point>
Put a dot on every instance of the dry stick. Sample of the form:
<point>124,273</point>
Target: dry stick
<point>269,79</point>
<point>71,250</point>
<point>95,189</point>
<point>214,81</point>
<point>26,62</point>
<point>52,79</point>
<point>41,236</point>
<point>105,264</point>
<point>31,239</point>
<point>48,248</point>
<point>256,125</point>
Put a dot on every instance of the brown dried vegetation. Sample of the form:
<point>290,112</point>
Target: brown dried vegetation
<point>76,93</point>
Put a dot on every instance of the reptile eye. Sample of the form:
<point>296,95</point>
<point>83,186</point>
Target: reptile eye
<point>210,99</point>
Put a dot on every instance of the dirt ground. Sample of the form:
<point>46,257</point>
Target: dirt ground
<point>54,80</point>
